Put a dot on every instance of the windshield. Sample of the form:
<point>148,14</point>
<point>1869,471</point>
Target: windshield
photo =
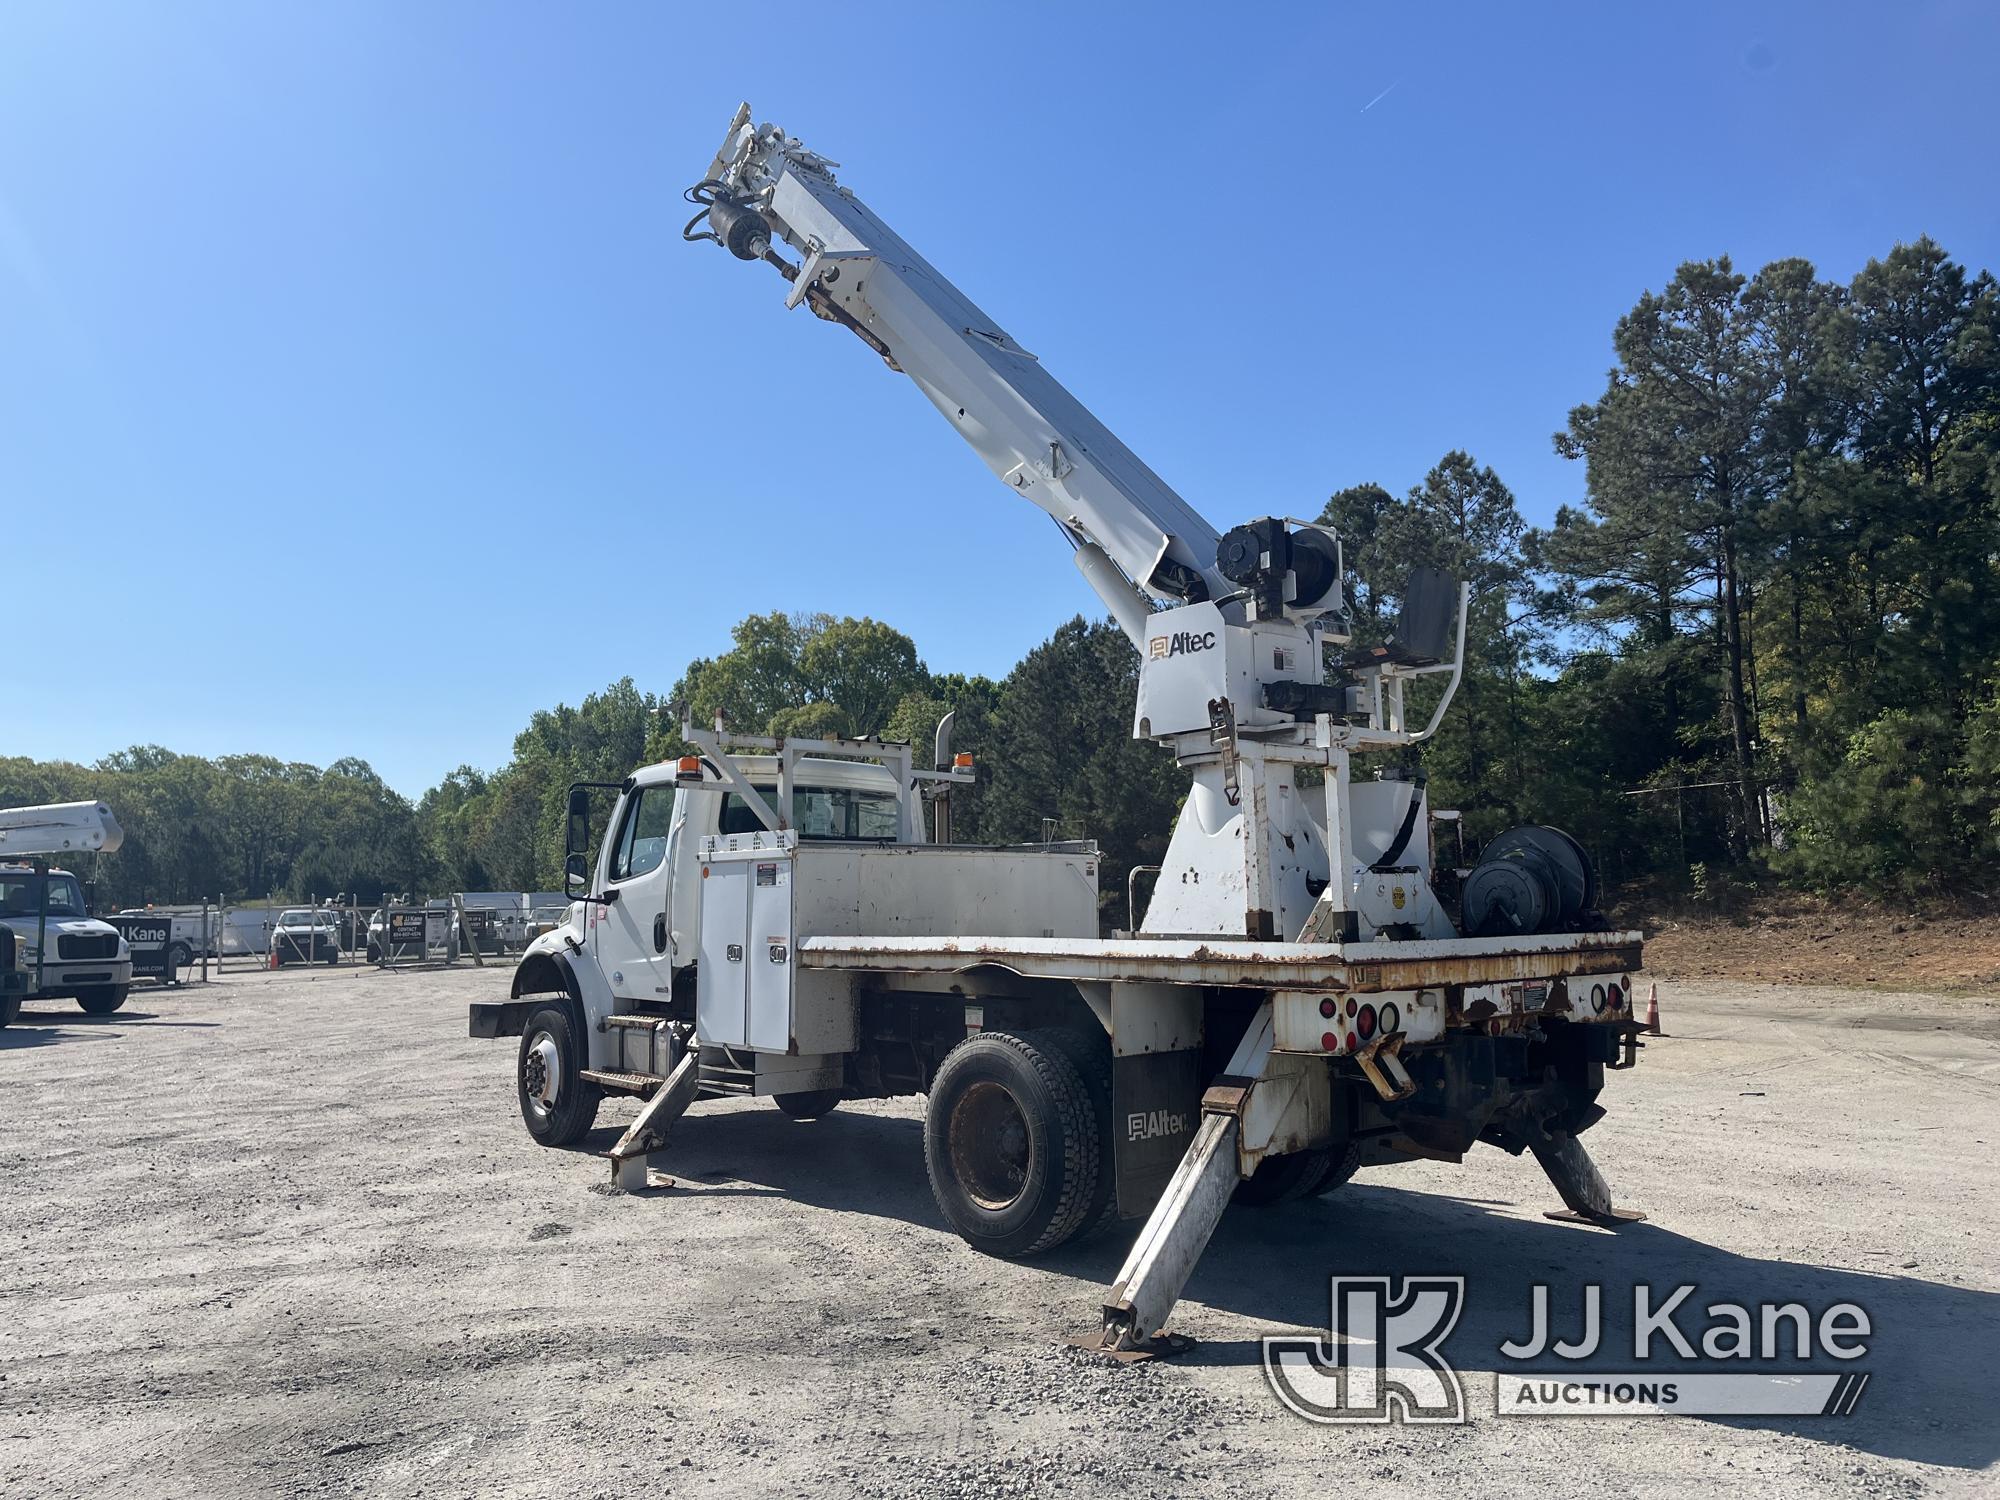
<point>20,895</point>
<point>305,919</point>
<point>820,812</point>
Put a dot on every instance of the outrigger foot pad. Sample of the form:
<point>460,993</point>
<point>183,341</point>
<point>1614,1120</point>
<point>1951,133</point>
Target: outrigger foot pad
<point>1607,1220</point>
<point>1579,1183</point>
<point>1159,1346</point>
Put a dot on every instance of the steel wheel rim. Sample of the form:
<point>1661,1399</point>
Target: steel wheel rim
<point>541,1074</point>
<point>992,1152</point>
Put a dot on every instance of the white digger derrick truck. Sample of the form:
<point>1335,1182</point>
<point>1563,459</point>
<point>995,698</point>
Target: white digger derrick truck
<point>772,917</point>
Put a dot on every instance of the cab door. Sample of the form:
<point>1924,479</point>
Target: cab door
<point>631,933</point>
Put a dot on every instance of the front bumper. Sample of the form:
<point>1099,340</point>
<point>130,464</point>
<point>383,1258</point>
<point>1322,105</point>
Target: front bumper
<point>66,976</point>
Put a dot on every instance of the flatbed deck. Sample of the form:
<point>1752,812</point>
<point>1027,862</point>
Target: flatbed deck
<point>1240,963</point>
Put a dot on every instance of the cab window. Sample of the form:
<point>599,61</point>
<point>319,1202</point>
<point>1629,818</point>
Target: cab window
<point>823,813</point>
<point>21,895</point>
<point>642,841</point>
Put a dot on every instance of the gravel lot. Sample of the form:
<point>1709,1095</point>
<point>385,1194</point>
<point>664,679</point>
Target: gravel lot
<point>285,1235</point>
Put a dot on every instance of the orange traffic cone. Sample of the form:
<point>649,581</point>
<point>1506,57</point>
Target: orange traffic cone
<point>274,955</point>
<point>1653,1011</point>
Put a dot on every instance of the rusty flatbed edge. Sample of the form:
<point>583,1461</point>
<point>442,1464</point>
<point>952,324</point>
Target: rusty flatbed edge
<point>1239,963</point>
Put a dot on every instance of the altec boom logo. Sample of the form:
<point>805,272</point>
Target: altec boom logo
<point>1180,643</point>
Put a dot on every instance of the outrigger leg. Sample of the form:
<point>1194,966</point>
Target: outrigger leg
<point>1579,1182</point>
<point>630,1167</point>
<point>1164,1255</point>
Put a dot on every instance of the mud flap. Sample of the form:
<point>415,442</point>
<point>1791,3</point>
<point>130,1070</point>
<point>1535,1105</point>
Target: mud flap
<point>1155,1107</point>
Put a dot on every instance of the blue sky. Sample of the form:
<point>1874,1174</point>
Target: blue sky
<point>338,336</point>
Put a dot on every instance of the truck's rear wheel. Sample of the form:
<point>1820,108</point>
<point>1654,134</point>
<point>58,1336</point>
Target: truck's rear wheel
<point>1301,1174</point>
<point>102,999</point>
<point>10,1007</point>
<point>1011,1143</point>
<point>1281,1179</point>
<point>557,1105</point>
<point>1340,1165</point>
<point>1090,1051</point>
<point>808,1105</point>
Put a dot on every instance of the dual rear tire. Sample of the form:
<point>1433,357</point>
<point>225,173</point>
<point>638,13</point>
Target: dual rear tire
<point>1300,1174</point>
<point>1015,1142</point>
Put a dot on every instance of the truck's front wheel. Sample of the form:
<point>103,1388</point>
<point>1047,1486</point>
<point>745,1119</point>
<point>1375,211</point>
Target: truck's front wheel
<point>557,1105</point>
<point>102,999</point>
<point>1011,1143</point>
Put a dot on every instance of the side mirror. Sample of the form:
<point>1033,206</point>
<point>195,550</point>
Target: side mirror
<point>576,836</point>
<point>576,876</point>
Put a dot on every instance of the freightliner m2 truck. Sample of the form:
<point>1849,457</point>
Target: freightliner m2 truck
<point>59,949</point>
<point>784,918</point>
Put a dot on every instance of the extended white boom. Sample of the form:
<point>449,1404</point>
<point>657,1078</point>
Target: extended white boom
<point>1041,441</point>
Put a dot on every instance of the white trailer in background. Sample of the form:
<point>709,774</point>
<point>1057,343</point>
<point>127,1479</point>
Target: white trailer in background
<point>196,931</point>
<point>1299,1001</point>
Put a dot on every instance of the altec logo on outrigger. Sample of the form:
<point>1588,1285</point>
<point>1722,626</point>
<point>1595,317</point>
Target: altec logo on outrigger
<point>1383,1360</point>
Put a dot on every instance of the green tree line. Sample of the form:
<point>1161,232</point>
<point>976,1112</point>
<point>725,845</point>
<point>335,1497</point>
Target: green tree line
<point>1767,639</point>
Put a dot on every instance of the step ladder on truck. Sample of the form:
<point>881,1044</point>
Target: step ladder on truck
<point>779,918</point>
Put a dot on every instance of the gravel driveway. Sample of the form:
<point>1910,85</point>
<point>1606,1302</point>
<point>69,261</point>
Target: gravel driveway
<point>285,1235</point>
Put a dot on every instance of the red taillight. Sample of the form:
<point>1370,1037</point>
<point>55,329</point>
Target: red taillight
<point>1329,1009</point>
<point>1328,1041</point>
<point>1613,996</point>
<point>1350,1005</point>
<point>1364,1024</point>
<point>1350,1041</point>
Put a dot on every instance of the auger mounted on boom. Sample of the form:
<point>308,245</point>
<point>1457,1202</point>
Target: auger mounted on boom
<point>1300,999</point>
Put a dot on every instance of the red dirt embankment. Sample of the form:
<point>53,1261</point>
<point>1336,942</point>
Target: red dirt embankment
<point>1789,938</point>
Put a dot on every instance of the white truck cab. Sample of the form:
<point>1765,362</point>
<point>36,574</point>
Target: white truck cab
<point>633,939</point>
<point>84,959</point>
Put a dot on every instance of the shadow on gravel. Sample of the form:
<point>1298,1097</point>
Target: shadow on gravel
<point>1931,1397</point>
<point>846,1162</point>
<point>34,1028</point>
